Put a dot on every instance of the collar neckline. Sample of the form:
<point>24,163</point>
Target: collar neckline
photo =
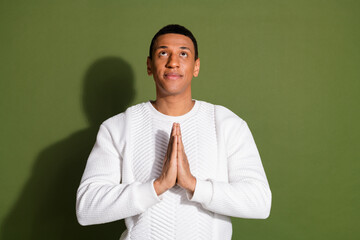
<point>180,118</point>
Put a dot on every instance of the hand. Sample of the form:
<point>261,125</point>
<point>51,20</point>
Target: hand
<point>168,175</point>
<point>184,177</point>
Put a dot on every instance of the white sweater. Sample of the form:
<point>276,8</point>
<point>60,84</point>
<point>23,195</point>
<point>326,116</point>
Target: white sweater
<point>128,155</point>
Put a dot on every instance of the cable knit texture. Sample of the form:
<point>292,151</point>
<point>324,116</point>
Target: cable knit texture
<point>128,156</point>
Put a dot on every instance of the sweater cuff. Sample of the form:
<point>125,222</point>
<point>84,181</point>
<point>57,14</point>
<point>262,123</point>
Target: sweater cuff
<point>148,196</point>
<point>202,193</point>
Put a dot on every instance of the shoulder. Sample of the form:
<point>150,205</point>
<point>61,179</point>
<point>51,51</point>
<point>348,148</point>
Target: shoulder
<point>118,121</point>
<point>226,120</point>
<point>232,129</point>
<point>222,114</point>
<point>225,116</point>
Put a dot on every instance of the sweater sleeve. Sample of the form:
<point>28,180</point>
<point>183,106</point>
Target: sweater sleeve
<point>247,193</point>
<point>101,197</point>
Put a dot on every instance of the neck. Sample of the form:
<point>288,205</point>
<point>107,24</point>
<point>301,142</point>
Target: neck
<point>173,105</point>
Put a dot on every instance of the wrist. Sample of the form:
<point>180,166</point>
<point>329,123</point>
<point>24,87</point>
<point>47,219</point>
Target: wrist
<point>192,185</point>
<point>159,187</point>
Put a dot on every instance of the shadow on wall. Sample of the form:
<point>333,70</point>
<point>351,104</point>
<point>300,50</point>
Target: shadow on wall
<point>46,206</point>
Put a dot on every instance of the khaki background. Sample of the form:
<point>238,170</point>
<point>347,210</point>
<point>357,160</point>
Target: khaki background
<point>289,68</point>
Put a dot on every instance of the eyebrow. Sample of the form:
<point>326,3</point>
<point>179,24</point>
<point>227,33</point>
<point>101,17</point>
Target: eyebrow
<point>163,47</point>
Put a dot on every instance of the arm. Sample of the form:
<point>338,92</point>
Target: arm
<point>101,197</point>
<point>247,193</point>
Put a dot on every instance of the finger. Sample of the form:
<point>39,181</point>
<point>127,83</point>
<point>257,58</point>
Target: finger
<point>180,150</point>
<point>174,148</point>
<point>180,147</point>
<point>173,130</point>
<point>176,129</point>
<point>179,153</point>
<point>179,130</point>
<point>171,139</point>
<point>180,143</point>
<point>169,147</point>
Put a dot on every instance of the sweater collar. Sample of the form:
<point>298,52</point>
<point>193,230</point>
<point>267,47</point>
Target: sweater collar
<point>159,115</point>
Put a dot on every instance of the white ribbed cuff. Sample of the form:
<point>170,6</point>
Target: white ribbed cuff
<point>148,196</point>
<point>202,193</point>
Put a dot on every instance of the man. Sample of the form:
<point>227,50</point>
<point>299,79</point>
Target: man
<point>174,168</point>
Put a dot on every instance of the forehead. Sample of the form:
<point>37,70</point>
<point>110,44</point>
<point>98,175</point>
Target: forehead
<point>174,40</point>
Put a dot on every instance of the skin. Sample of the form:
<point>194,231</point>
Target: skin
<point>173,66</point>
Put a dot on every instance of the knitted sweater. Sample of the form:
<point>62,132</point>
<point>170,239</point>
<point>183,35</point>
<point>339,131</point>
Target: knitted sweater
<point>128,156</point>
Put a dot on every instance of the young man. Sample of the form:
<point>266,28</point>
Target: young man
<point>174,168</point>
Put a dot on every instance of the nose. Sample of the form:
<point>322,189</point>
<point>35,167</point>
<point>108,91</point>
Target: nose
<point>173,61</point>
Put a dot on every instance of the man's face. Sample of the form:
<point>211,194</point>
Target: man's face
<point>173,64</point>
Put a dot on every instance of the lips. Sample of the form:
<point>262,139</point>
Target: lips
<point>172,76</point>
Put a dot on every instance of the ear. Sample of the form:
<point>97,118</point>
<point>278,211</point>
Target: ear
<point>197,67</point>
<point>148,64</point>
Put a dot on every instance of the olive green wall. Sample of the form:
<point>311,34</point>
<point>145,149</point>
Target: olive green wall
<point>291,69</point>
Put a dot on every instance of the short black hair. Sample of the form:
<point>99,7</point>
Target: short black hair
<point>174,28</point>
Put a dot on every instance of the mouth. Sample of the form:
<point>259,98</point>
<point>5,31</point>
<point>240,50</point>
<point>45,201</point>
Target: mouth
<point>172,76</point>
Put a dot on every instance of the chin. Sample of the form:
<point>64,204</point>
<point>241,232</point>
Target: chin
<point>173,93</point>
<point>172,89</point>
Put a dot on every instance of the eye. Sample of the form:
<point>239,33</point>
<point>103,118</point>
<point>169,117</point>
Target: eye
<point>162,53</point>
<point>183,54</point>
